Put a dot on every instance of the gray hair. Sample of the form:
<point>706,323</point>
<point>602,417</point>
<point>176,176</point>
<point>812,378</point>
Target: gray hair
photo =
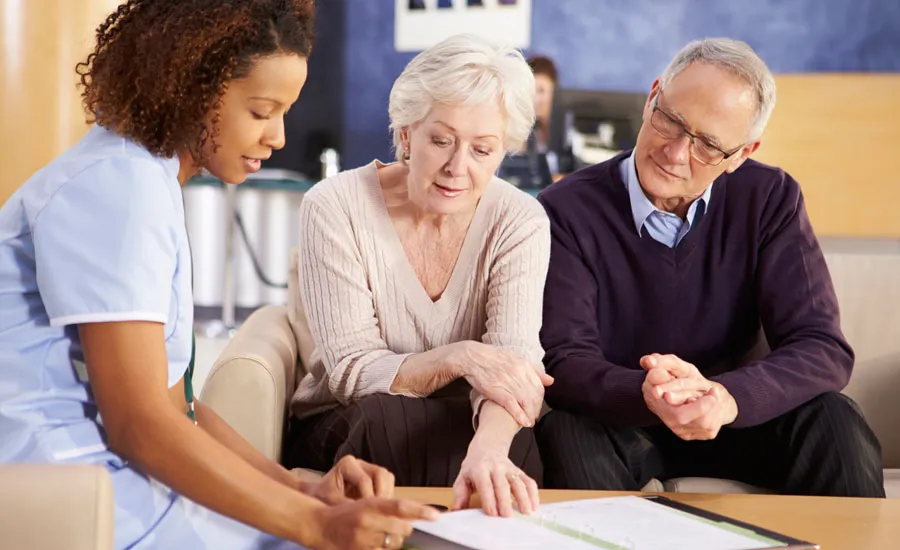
<point>739,59</point>
<point>465,70</point>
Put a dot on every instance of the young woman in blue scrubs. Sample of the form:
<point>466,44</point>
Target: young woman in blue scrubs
<point>95,288</point>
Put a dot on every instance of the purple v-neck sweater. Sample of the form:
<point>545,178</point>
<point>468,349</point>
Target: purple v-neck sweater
<point>752,261</point>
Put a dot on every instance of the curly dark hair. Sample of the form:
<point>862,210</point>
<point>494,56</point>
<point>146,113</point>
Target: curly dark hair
<point>161,66</point>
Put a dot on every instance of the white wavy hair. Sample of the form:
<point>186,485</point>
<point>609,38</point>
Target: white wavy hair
<point>465,70</point>
<point>738,58</point>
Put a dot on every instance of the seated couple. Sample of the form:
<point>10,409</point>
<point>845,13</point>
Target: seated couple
<point>435,294</point>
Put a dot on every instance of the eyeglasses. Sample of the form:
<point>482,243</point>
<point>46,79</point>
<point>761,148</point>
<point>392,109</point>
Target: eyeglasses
<point>670,128</point>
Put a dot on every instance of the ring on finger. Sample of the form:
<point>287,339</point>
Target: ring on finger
<point>387,541</point>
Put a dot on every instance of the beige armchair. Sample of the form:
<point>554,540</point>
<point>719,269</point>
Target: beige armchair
<point>48,507</point>
<point>251,383</point>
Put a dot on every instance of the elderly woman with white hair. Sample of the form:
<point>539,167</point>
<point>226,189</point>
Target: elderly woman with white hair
<point>422,283</point>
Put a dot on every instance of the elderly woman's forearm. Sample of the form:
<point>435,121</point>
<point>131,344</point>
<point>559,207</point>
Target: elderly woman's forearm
<point>496,428</point>
<point>422,374</point>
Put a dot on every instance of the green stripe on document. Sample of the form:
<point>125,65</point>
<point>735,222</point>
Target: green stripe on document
<point>568,531</point>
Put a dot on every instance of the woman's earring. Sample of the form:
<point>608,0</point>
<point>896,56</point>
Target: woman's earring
<point>404,137</point>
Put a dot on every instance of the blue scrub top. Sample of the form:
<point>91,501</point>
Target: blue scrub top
<point>97,235</point>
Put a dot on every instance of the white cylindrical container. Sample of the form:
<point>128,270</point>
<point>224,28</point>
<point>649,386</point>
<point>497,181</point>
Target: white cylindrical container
<point>204,211</point>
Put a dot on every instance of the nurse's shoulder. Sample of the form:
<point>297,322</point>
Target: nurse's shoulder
<point>102,171</point>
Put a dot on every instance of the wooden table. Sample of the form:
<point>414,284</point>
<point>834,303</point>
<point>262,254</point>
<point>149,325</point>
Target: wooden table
<point>833,523</point>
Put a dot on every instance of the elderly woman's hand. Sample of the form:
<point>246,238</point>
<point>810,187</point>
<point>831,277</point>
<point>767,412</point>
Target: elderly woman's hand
<point>488,470</point>
<point>502,376</point>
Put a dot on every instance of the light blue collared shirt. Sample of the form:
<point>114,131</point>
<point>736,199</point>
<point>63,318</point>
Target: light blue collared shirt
<point>664,227</point>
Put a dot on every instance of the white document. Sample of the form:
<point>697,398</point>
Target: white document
<point>619,523</point>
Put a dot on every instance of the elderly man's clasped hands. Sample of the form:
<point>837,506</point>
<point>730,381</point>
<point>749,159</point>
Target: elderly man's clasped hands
<point>692,406</point>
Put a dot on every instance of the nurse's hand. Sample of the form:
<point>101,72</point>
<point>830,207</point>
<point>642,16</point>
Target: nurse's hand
<point>366,524</point>
<point>352,479</point>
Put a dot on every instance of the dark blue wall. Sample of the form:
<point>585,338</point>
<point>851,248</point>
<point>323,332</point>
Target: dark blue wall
<point>316,121</point>
<point>372,64</point>
<point>624,45</point>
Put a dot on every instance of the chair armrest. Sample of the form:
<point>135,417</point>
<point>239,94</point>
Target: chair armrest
<point>712,485</point>
<point>251,383</point>
<point>45,506</point>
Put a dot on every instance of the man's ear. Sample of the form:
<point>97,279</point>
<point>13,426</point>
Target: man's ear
<point>738,159</point>
<point>651,97</point>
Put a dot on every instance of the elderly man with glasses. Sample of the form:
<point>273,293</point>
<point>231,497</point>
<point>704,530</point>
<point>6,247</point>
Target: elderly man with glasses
<point>690,321</point>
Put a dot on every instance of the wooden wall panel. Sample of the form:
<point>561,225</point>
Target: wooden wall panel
<point>40,106</point>
<point>838,134</point>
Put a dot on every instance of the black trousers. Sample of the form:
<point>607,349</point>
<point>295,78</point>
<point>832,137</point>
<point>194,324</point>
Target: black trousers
<point>824,447</point>
<point>422,441</point>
